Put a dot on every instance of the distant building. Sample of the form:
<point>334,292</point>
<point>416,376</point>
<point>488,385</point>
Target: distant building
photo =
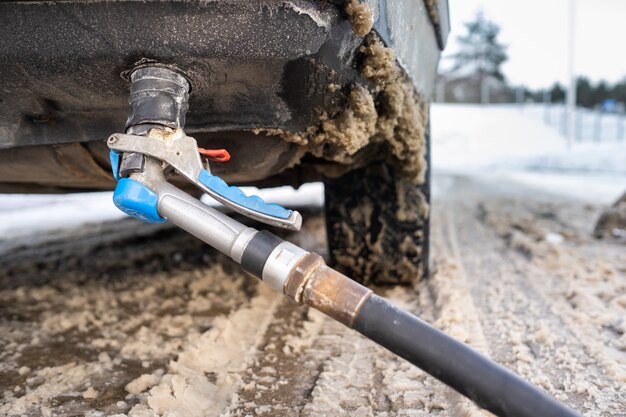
<point>472,88</point>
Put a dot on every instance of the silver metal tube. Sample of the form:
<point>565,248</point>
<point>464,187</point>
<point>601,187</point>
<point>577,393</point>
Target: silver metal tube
<point>215,228</point>
<point>207,224</point>
<point>190,214</point>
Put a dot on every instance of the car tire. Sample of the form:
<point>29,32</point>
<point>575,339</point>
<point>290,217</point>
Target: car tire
<point>378,224</point>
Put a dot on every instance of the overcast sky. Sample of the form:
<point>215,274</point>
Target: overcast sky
<point>536,33</point>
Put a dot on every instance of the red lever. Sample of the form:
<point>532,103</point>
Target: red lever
<point>217,155</point>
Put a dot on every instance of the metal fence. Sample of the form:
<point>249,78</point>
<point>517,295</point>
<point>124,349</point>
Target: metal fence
<point>590,125</point>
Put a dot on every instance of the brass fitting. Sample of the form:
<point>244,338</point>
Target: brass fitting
<point>314,283</point>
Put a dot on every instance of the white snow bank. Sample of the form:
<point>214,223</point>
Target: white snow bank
<point>23,215</point>
<point>471,137</point>
<point>594,188</point>
<point>598,158</point>
<point>307,195</point>
<point>508,142</point>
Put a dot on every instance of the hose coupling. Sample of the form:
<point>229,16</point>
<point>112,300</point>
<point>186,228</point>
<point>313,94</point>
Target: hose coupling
<point>313,283</point>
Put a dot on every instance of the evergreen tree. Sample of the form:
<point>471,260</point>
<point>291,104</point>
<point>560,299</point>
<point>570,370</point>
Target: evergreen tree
<point>557,93</point>
<point>601,93</point>
<point>584,92</point>
<point>619,91</point>
<point>590,95</point>
<point>480,53</point>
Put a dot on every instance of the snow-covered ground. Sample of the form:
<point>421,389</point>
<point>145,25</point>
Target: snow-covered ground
<point>492,142</point>
<point>514,143</point>
<point>149,322</point>
<point>591,125</point>
<point>24,215</point>
<point>123,319</point>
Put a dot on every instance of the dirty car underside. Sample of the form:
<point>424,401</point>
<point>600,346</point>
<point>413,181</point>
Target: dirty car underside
<point>258,70</point>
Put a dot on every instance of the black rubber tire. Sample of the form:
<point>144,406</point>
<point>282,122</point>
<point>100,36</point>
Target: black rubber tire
<point>378,225</point>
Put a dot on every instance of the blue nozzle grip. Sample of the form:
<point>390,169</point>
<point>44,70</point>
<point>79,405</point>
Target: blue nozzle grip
<point>114,157</point>
<point>137,200</point>
<point>236,196</point>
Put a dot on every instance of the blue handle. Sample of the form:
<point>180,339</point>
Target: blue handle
<point>132,197</point>
<point>234,194</point>
<point>137,200</point>
<point>115,163</point>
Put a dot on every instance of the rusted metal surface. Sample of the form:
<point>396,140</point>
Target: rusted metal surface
<point>335,294</point>
<point>314,283</point>
<point>300,274</point>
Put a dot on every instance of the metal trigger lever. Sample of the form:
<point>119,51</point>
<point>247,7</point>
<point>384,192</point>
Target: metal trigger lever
<point>181,153</point>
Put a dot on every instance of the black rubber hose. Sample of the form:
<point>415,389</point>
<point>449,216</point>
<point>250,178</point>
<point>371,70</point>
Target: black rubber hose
<point>488,384</point>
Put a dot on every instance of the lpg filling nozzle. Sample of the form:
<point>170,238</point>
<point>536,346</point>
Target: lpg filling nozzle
<point>155,144</point>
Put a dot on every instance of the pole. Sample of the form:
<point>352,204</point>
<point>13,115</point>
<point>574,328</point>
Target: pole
<point>571,92</point>
<point>547,101</point>
<point>579,124</point>
<point>597,131</point>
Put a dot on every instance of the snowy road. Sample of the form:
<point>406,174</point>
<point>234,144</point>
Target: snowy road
<point>139,320</point>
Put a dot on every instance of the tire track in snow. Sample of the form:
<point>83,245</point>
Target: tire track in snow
<point>452,302</point>
<point>362,379</point>
<point>349,375</point>
<point>279,381</point>
<point>526,331</point>
<point>207,373</point>
<point>601,354</point>
<point>116,329</point>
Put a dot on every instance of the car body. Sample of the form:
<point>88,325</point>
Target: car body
<point>295,90</point>
<point>257,67</point>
